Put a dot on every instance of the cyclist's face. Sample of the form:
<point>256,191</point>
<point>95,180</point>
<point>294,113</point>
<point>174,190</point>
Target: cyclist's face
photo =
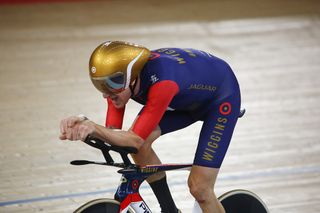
<point>121,99</point>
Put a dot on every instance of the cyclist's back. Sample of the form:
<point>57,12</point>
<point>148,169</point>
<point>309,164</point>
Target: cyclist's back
<point>199,76</point>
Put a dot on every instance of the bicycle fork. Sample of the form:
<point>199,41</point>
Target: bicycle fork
<point>128,192</point>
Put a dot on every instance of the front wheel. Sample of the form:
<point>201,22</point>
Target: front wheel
<point>103,205</point>
<point>242,201</point>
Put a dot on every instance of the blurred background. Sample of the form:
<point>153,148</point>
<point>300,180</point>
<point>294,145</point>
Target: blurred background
<point>273,47</point>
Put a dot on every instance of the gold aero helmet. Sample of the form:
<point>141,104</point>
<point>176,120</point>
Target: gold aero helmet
<point>114,65</point>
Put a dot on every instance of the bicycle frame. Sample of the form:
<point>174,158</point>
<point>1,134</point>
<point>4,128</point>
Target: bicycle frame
<point>133,175</point>
<point>128,191</point>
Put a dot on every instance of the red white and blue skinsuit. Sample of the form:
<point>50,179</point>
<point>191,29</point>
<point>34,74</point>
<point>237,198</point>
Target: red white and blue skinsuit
<point>179,87</point>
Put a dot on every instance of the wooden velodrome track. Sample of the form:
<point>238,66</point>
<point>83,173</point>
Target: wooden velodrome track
<point>273,46</point>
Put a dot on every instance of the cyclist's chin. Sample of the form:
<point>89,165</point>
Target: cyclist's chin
<point>121,99</point>
<point>118,104</point>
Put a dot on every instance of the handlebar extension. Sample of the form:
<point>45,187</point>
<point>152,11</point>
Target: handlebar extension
<point>105,148</point>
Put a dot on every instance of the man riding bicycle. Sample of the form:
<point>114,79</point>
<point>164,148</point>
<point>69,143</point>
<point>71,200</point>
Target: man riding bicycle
<point>177,87</point>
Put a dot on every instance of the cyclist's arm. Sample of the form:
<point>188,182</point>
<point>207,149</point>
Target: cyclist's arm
<point>120,138</point>
<point>114,116</point>
<point>159,98</point>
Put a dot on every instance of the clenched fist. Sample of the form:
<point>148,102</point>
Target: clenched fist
<point>76,128</point>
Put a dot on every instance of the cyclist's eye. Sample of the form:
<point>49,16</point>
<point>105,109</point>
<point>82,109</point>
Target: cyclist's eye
<point>116,81</point>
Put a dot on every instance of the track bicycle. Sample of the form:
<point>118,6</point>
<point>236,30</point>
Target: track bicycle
<point>127,197</point>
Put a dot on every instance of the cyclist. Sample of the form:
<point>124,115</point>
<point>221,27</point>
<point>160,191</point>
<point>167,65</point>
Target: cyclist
<point>177,88</point>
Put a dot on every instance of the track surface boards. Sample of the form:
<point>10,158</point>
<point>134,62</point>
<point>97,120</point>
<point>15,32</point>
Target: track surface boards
<point>273,47</point>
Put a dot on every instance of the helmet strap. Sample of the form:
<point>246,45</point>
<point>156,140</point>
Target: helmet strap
<point>132,87</point>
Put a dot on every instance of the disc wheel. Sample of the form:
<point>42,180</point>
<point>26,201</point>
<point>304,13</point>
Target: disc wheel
<point>242,201</point>
<point>103,205</point>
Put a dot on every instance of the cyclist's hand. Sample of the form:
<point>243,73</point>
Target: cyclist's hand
<point>69,128</point>
<point>83,129</point>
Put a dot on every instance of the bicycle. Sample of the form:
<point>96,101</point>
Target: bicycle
<point>127,197</point>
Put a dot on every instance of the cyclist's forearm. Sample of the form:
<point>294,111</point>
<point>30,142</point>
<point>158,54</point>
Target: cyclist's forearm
<point>118,137</point>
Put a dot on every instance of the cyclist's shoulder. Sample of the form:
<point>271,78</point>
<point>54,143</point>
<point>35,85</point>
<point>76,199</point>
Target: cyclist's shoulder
<point>182,56</point>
